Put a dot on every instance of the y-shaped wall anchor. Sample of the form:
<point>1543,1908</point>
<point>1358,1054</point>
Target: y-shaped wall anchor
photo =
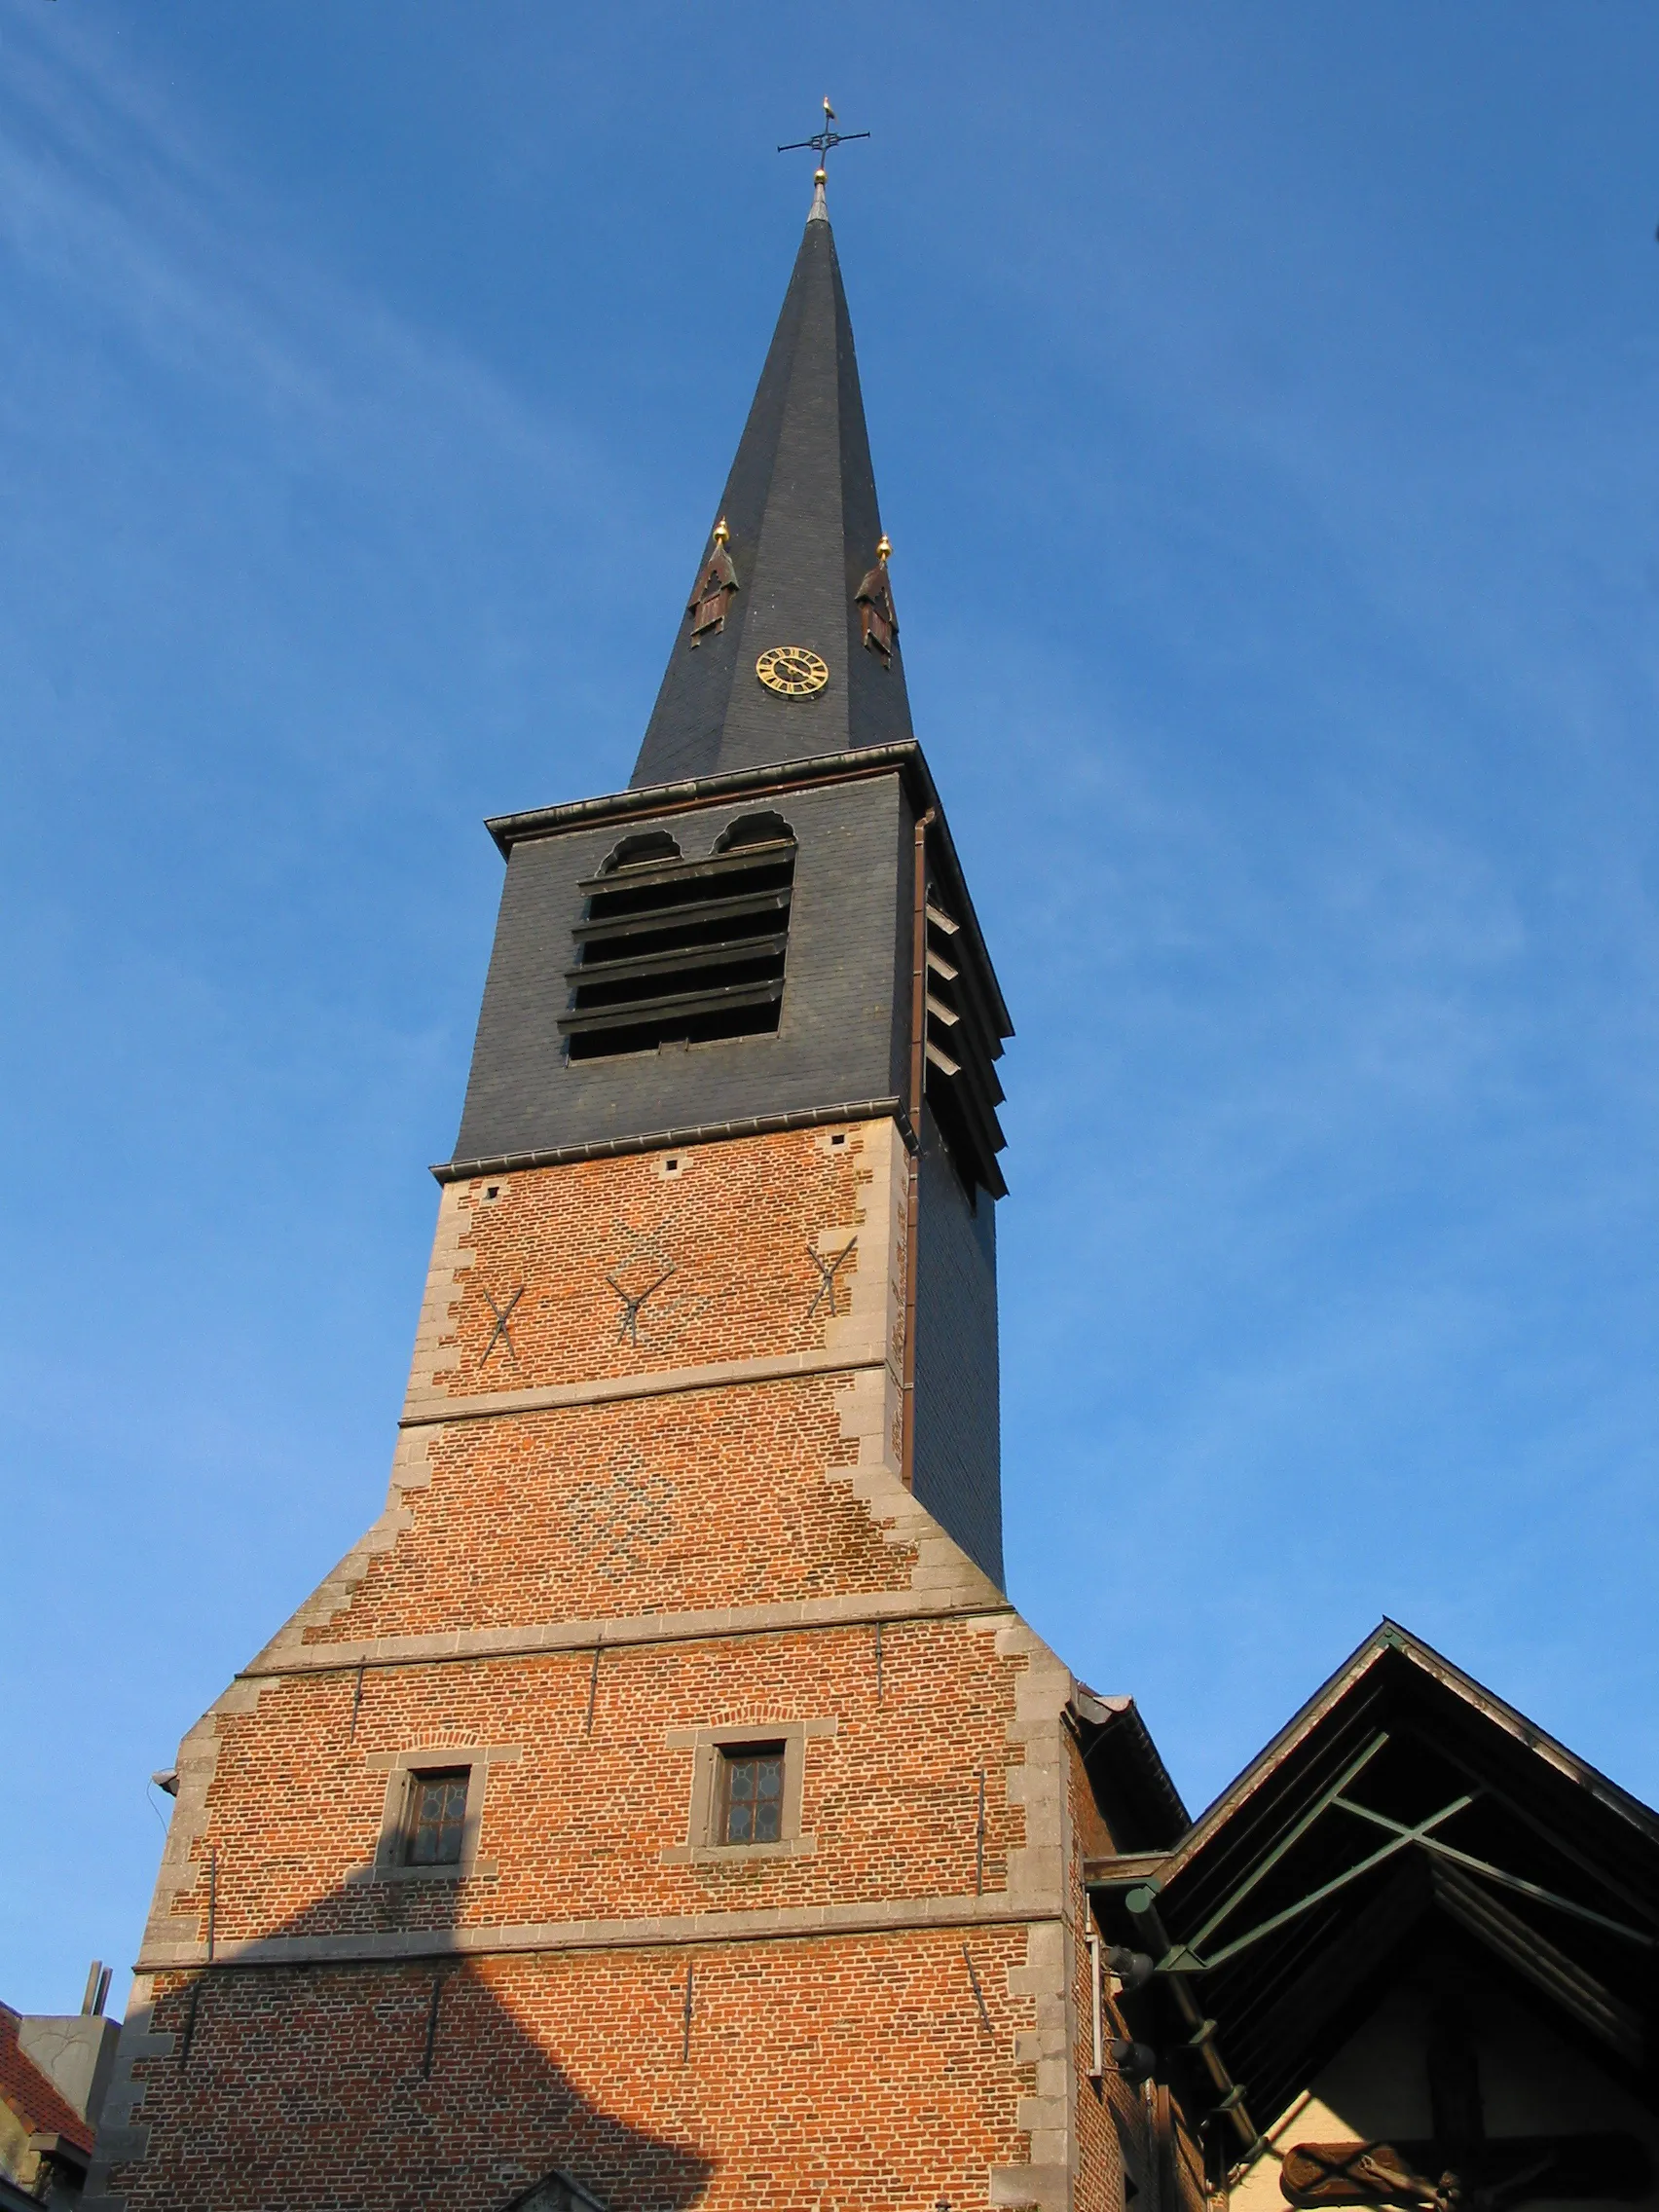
<point>629,1325</point>
<point>826,1288</point>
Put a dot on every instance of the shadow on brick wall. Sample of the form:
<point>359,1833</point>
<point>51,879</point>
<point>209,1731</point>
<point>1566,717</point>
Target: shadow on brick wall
<point>433,2082</point>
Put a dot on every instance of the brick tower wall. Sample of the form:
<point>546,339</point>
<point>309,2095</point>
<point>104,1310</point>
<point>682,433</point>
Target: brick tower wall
<point>645,1497</point>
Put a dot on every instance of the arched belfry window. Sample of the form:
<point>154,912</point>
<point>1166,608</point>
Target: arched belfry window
<point>670,950</point>
<point>751,830</point>
<point>637,852</point>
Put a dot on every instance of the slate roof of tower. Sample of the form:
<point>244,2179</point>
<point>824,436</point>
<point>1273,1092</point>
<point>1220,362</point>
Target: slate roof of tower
<point>801,509</point>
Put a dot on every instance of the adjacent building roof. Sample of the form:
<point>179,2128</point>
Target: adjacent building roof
<point>1131,1784</point>
<point>40,2107</point>
<point>1404,1798</point>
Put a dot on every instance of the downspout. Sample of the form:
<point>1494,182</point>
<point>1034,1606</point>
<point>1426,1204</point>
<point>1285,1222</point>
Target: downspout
<point>1141,1905</point>
<point>918,1072</point>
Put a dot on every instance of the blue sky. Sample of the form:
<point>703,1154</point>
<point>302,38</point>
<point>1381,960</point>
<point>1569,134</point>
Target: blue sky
<point>1263,403</point>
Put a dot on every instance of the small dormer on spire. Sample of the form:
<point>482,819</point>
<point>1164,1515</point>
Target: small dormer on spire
<point>878,624</point>
<point>788,646</point>
<point>717,588</point>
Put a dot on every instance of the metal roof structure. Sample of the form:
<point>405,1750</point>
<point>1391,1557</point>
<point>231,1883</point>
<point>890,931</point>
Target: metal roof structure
<point>1404,1804</point>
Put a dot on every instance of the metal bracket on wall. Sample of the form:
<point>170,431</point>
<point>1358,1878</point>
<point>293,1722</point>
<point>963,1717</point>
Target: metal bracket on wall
<point>979,1842</point>
<point>438,1980</point>
<point>629,1324</point>
<point>189,2035</point>
<point>827,1288</point>
<point>979,1993</point>
<point>500,1333</point>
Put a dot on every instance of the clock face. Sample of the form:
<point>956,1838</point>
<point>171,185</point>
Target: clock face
<point>792,671</point>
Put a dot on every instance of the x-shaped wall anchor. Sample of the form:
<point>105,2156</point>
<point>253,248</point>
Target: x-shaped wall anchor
<point>826,1288</point>
<point>629,1325</point>
<point>500,1333</point>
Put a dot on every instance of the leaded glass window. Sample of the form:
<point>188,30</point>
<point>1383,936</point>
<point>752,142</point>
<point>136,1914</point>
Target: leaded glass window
<point>438,1818</point>
<point>753,1793</point>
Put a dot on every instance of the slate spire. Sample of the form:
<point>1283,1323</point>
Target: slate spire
<point>795,543</point>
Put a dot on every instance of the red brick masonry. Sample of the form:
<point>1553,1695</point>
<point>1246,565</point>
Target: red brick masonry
<point>604,1540</point>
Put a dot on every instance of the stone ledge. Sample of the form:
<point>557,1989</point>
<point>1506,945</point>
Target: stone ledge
<point>884,1917</point>
<point>862,1611</point>
<point>736,1854</point>
<point>1045,2186</point>
<point>422,1408</point>
<point>680,1139</point>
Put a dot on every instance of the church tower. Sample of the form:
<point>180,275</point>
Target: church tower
<point>663,1805</point>
<point>768,933</point>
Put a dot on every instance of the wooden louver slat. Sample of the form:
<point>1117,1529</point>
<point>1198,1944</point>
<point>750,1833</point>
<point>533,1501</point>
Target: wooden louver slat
<point>633,1014</point>
<point>724,953</point>
<point>666,917</point>
<point>962,1045</point>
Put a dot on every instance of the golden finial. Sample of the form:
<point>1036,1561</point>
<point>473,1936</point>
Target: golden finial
<point>721,533</point>
<point>884,551</point>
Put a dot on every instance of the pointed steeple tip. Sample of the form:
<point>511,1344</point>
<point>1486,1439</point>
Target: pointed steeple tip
<point>819,212</point>
<point>796,564</point>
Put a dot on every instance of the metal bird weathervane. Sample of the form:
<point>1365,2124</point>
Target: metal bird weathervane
<point>822,141</point>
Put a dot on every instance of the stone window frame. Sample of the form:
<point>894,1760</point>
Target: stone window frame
<point>400,1768</point>
<point>708,1746</point>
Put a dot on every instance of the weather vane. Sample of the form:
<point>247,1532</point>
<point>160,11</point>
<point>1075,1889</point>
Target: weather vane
<point>822,142</point>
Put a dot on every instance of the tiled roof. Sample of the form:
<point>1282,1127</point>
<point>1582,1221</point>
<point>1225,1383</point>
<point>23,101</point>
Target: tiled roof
<point>40,2107</point>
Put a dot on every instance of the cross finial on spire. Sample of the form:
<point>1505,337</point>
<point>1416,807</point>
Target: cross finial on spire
<point>820,142</point>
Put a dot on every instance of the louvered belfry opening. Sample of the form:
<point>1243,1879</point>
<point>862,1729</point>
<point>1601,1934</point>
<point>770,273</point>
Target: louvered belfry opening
<point>672,950</point>
<point>963,1047</point>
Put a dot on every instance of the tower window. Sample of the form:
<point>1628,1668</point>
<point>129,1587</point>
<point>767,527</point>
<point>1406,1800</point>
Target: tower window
<point>438,1818</point>
<point>432,1815</point>
<point>672,950</point>
<point>748,1784</point>
<point>752,1792</point>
